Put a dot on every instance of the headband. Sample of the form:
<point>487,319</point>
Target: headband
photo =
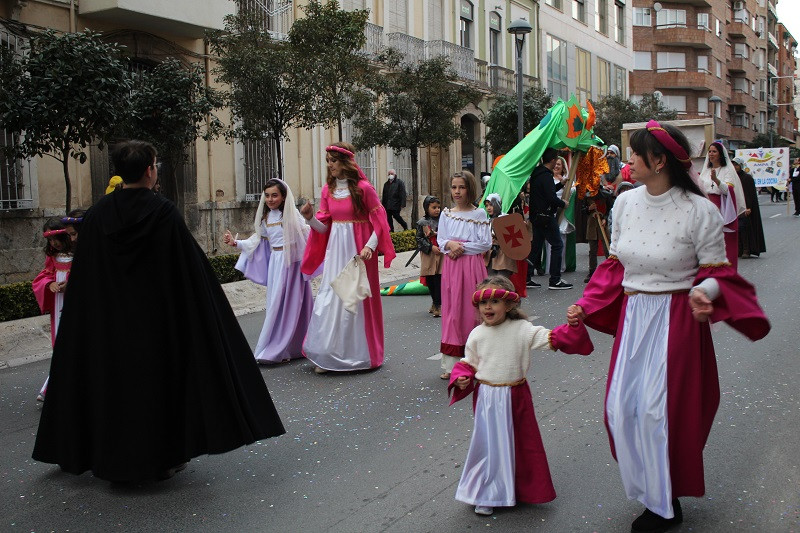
<point>666,140</point>
<point>341,150</point>
<point>500,294</point>
<point>72,220</point>
<point>53,233</point>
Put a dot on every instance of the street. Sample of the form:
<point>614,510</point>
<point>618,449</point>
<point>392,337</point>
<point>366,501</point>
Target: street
<point>382,450</point>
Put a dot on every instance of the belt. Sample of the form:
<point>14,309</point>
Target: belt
<point>277,249</point>
<point>509,384</point>
<point>679,291</point>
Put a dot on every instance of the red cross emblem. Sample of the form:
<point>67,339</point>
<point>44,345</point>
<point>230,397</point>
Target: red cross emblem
<point>513,236</point>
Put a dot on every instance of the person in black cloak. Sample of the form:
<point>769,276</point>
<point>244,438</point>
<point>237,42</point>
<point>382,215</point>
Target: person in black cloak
<point>150,367</point>
<point>751,229</point>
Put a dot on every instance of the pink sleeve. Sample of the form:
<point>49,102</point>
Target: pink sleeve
<point>44,296</point>
<point>602,298</point>
<point>317,242</point>
<point>737,303</point>
<point>461,369</point>
<point>380,225</point>
<point>571,339</point>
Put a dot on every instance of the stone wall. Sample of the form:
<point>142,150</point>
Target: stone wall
<point>22,244</point>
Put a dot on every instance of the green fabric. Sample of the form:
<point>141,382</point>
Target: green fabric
<point>410,288</point>
<point>561,127</point>
<point>569,256</point>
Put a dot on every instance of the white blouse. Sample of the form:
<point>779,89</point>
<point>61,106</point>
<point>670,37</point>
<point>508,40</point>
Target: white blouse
<point>501,354</point>
<point>662,240</point>
<point>471,228</point>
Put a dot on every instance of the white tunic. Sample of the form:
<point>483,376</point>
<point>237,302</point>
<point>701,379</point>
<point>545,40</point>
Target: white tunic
<point>472,228</point>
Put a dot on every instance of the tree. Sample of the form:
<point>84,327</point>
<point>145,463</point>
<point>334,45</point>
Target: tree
<point>267,89</point>
<point>615,110</point>
<point>501,120</point>
<point>327,42</point>
<point>763,140</point>
<point>66,91</point>
<point>414,106</point>
<point>170,107</point>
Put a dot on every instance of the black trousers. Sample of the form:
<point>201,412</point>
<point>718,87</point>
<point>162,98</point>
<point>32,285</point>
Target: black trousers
<point>435,288</point>
<point>550,234</point>
<point>396,215</point>
<point>796,196</point>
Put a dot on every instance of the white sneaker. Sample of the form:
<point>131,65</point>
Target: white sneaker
<point>485,511</point>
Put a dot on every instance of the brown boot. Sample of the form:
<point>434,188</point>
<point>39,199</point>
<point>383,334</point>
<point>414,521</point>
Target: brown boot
<point>432,309</point>
<point>437,311</point>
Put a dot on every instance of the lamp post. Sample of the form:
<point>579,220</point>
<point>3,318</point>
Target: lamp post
<point>519,28</point>
<point>771,123</point>
<point>715,100</point>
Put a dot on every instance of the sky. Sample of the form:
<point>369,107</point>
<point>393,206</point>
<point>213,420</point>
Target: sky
<point>789,16</point>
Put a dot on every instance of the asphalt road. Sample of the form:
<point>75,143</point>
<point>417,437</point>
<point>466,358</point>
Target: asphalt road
<point>382,450</point>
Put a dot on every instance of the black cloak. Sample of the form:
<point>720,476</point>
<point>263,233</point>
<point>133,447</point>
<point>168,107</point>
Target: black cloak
<point>751,229</point>
<point>150,367</point>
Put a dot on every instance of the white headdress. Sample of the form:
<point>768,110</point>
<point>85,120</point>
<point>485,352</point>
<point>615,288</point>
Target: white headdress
<point>726,174</point>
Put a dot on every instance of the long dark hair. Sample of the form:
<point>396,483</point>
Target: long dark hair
<point>350,171</point>
<point>723,161</point>
<point>646,145</point>
<point>66,245</point>
<point>281,187</point>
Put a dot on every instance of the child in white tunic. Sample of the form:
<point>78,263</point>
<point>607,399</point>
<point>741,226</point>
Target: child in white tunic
<point>506,461</point>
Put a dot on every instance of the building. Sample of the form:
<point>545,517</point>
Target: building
<point>693,52</point>
<point>586,48</point>
<point>222,182</point>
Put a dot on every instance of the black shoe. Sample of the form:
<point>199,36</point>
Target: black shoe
<point>532,284</point>
<point>560,285</point>
<point>650,522</point>
<point>588,276</point>
<point>169,472</point>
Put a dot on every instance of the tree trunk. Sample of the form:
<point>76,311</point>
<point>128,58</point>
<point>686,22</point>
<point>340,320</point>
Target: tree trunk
<point>279,156</point>
<point>339,124</point>
<point>414,185</point>
<point>67,183</point>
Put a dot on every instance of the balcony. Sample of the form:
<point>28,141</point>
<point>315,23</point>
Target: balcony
<point>461,59</point>
<point>697,3</point>
<point>502,80</point>
<point>737,28</point>
<point>741,98</point>
<point>693,37</point>
<point>737,64</point>
<point>772,70</point>
<point>678,79</point>
<point>374,44</point>
<point>773,42</point>
<point>176,17</point>
<point>412,48</point>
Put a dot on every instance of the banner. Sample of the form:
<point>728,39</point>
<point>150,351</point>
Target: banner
<point>769,166</point>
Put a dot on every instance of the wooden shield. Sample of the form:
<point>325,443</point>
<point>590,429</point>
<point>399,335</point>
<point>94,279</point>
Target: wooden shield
<point>512,236</point>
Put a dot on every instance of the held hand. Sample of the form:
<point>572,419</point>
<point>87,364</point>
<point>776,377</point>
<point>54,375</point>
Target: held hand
<point>456,249</point>
<point>748,211</point>
<point>701,305</point>
<point>62,286</point>
<point>575,315</point>
<point>366,253</point>
<point>54,287</point>
<point>436,250</point>
<point>228,239</point>
<point>307,211</point>
<point>462,382</point>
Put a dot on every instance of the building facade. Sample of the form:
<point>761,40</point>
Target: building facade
<point>697,51</point>
<point>586,48</point>
<point>221,182</point>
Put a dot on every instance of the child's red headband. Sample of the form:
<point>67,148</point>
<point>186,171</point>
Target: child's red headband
<point>488,294</point>
<point>341,150</point>
<point>53,233</point>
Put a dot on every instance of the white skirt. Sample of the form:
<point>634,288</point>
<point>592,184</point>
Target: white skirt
<point>337,339</point>
<point>636,405</point>
<point>488,475</point>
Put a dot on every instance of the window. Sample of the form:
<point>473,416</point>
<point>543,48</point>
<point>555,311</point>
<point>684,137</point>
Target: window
<point>667,61</point>
<point>671,18</point>
<point>642,61</point>
<point>579,10</point>
<point>702,105</point>
<point>702,64</point>
<point>260,165</point>
<point>435,20</point>
<point>702,21</point>
<point>556,67</point>
<point>621,81</point>
<point>619,22</point>
<point>675,102</point>
<point>762,90</point>
<point>554,3</point>
<point>603,78</point>
<point>741,50</point>
<point>396,17</point>
<point>601,20</point>
<point>741,85</point>
<point>762,122</point>
<point>642,16</point>
<point>741,15</point>
<point>465,30</point>
<point>718,68</point>
<point>583,75</point>
<point>719,27</point>
<point>495,37</point>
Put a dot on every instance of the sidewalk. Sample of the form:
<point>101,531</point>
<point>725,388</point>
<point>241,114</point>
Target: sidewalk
<point>28,340</point>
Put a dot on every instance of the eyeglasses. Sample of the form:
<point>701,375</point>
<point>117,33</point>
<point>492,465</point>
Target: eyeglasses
<point>157,166</point>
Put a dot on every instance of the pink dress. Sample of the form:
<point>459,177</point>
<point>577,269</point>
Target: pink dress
<point>338,340</point>
<point>55,269</point>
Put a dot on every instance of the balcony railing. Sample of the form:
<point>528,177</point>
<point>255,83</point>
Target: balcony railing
<point>412,48</point>
<point>374,44</point>
<point>462,59</point>
<point>276,16</point>
<point>502,80</point>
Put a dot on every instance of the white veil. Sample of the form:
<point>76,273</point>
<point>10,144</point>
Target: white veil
<point>725,174</point>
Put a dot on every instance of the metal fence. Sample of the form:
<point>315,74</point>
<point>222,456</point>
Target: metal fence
<point>276,16</point>
<point>16,187</point>
<point>260,165</point>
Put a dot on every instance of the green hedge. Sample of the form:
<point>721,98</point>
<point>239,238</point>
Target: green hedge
<point>17,301</point>
<point>223,268</point>
<point>404,241</point>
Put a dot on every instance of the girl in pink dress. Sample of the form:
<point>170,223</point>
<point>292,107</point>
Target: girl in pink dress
<point>350,221</point>
<point>465,233</point>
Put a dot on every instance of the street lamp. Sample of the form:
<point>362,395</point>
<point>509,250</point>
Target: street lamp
<point>715,100</point>
<point>771,123</point>
<point>519,28</point>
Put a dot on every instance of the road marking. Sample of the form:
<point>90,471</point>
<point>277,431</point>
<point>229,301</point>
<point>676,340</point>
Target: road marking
<point>773,216</point>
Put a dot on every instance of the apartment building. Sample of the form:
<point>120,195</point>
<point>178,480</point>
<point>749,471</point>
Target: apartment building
<point>222,182</point>
<point>586,47</point>
<point>693,52</point>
